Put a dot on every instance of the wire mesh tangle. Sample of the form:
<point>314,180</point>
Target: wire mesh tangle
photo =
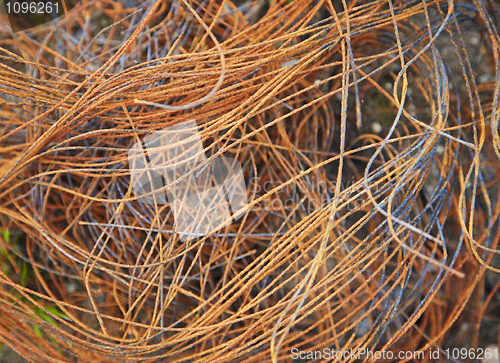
<point>367,133</point>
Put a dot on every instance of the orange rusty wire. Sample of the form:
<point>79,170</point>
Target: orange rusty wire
<point>368,137</point>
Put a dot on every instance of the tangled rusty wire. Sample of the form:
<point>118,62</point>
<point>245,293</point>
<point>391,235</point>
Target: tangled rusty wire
<point>368,134</point>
